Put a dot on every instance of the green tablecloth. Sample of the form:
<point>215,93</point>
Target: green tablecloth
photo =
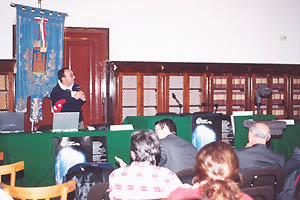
<point>38,152</point>
<point>284,144</point>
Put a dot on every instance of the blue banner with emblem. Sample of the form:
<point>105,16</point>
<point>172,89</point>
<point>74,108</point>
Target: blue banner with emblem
<point>39,47</point>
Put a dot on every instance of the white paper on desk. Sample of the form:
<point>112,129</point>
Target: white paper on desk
<point>91,128</point>
<point>123,127</point>
<point>242,113</point>
<point>287,121</point>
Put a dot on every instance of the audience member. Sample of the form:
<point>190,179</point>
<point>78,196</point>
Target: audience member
<point>66,96</point>
<point>175,153</point>
<point>291,171</point>
<point>217,175</point>
<point>256,154</point>
<point>142,179</point>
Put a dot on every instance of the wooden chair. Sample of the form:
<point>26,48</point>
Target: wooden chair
<point>35,193</point>
<point>11,169</point>
<point>1,155</point>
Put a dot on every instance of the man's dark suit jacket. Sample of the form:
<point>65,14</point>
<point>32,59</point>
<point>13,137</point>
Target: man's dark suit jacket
<point>292,171</point>
<point>176,153</point>
<point>259,156</point>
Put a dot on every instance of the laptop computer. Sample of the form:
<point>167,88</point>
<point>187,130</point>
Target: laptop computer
<point>65,122</point>
<point>11,122</point>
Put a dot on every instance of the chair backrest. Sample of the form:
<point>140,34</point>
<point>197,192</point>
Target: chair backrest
<point>11,169</point>
<point>186,175</point>
<point>99,191</point>
<point>273,177</point>
<point>260,192</point>
<point>36,193</point>
<point>1,155</point>
<point>86,176</point>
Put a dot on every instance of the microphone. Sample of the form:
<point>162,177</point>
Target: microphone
<point>178,102</point>
<point>175,98</point>
<point>216,106</point>
<point>76,88</point>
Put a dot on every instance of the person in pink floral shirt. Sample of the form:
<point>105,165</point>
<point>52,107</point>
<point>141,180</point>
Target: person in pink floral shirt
<point>142,179</point>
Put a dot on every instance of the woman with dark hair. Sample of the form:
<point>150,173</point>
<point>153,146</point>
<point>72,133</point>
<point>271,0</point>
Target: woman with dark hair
<point>217,175</point>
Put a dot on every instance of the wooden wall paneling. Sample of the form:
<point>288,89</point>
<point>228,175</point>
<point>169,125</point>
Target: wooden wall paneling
<point>285,94</point>
<point>209,103</point>
<point>288,95</point>
<point>248,72</point>
<point>186,93</point>
<point>205,92</point>
<point>119,113</point>
<point>219,89</point>
<point>252,97</point>
<point>7,67</point>
<point>11,91</point>
<point>166,93</point>
<point>86,53</point>
<point>295,96</point>
<point>111,93</point>
<point>279,95</point>
<point>269,100</point>
<point>140,94</point>
<point>247,92</point>
<point>229,93</point>
<point>160,94</point>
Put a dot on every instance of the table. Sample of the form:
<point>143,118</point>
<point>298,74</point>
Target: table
<point>38,149</point>
<point>38,152</point>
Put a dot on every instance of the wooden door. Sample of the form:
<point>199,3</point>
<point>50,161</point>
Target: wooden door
<point>86,53</point>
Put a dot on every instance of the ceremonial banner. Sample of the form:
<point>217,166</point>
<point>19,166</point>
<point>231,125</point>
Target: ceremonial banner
<point>40,38</point>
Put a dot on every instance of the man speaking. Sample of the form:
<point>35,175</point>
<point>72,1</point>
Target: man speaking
<point>66,96</point>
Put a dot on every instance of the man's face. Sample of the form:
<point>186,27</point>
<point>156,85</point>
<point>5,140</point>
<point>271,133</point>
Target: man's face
<point>69,78</point>
<point>158,131</point>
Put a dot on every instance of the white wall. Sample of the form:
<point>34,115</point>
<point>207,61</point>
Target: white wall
<point>239,31</point>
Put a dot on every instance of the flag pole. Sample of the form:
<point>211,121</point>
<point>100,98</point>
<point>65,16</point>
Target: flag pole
<point>15,5</point>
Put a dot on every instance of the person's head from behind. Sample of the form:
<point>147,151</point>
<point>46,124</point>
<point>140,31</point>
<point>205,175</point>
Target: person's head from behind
<point>165,127</point>
<point>259,133</point>
<point>144,146</point>
<point>66,76</point>
<point>217,166</point>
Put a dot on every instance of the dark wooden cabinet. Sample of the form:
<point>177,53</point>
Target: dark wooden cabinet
<point>7,84</point>
<point>204,87</point>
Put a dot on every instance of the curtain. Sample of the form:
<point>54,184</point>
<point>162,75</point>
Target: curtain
<point>39,47</point>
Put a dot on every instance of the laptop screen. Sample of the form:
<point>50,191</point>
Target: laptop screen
<point>65,122</point>
<point>11,122</point>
